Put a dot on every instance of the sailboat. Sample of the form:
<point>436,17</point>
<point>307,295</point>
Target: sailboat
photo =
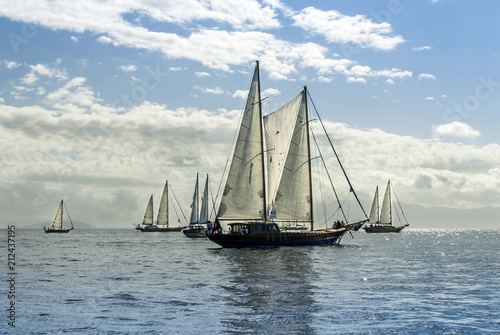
<point>199,223</point>
<point>57,225</point>
<point>269,183</point>
<point>382,223</point>
<point>162,224</point>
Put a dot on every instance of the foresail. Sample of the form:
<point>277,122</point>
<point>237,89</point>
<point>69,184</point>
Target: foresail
<point>195,204</point>
<point>385,213</point>
<point>204,204</point>
<point>162,218</point>
<point>243,196</point>
<point>278,130</point>
<point>374,212</point>
<point>292,200</point>
<point>59,217</point>
<point>148,216</point>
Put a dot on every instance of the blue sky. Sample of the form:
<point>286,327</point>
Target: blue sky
<point>100,102</point>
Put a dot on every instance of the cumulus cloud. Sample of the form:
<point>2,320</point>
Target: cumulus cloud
<point>340,28</point>
<point>455,129</point>
<point>10,64</point>
<point>202,74</point>
<point>234,48</point>
<point>41,70</point>
<point>421,48</point>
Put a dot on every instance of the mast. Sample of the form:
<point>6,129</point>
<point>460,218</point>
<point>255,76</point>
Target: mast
<point>62,212</point>
<point>195,215</point>
<point>309,157</point>
<point>261,142</point>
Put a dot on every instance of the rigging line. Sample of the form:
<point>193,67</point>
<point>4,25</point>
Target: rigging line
<point>180,208</point>
<point>67,212</point>
<point>336,155</point>
<point>329,177</point>
<point>402,213</point>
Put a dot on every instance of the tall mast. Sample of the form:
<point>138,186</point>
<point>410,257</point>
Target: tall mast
<point>262,142</point>
<point>309,157</point>
<point>62,213</point>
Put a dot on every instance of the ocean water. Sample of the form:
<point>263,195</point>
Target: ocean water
<point>129,282</point>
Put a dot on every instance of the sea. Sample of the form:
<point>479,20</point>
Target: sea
<point>129,282</point>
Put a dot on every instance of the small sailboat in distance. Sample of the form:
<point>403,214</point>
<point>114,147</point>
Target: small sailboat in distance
<point>162,223</point>
<point>57,225</point>
<point>382,223</point>
<point>199,223</point>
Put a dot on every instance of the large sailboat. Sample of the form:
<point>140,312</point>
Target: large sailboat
<point>162,221</point>
<point>382,223</point>
<point>57,225</point>
<point>268,196</point>
<point>199,223</point>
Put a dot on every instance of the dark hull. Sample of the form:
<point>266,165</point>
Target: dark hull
<point>281,239</point>
<point>195,232</point>
<point>383,229</point>
<point>58,231</point>
<point>158,229</point>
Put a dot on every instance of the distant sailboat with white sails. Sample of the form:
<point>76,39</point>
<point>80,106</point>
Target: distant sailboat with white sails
<point>199,223</point>
<point>162,220</point>
<point>57,224</point>
<point>380,220</point>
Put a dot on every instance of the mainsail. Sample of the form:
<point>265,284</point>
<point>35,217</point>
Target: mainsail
<point>58,220</point>
<point>289,174</point>
<point>386,214</point>
<point>162,218</point>
<point>244,193</point>
<point>374,212</point>
<point>195,218</point>
<point>148,216</point>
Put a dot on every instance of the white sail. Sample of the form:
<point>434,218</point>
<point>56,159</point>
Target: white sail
<point>243,196</point>
<point>204,204</point>
<point>58,220</point>
<point>162,218</point>
<point>293,200</point>
<point>385,213</point>
<point>195,205</point>
<point>374,212</point>
<point>148,216</point>
<point>278,129</point>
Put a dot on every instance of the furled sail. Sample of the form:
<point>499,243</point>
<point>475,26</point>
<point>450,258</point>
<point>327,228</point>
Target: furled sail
<point>292,200</point>
<point>374,212</point>
<point>162,218</point>
<point>204,204</point>
<point>195,205</point>
<point>148,216</point>
<point>59,217</point>
<point>243,196</point>
<point>385,214</point>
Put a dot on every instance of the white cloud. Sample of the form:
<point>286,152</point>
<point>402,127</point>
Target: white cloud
<point>339,28</point>
<point>2,100</point>
<point>425,76</point>
<point>74,38</point>
<point>11,64</point>
<point>390,81</point>
<point>421,48</point>
<point>429,98</point>
<point>455,129</point>
<point>202,74</point>
<point>128,68</point>
<point>216,90</point>
<point>40,70</point>
<point>356,80</point>
<point>234,48</point>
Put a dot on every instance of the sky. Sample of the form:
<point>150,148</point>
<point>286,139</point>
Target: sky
<point>102,101</point>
